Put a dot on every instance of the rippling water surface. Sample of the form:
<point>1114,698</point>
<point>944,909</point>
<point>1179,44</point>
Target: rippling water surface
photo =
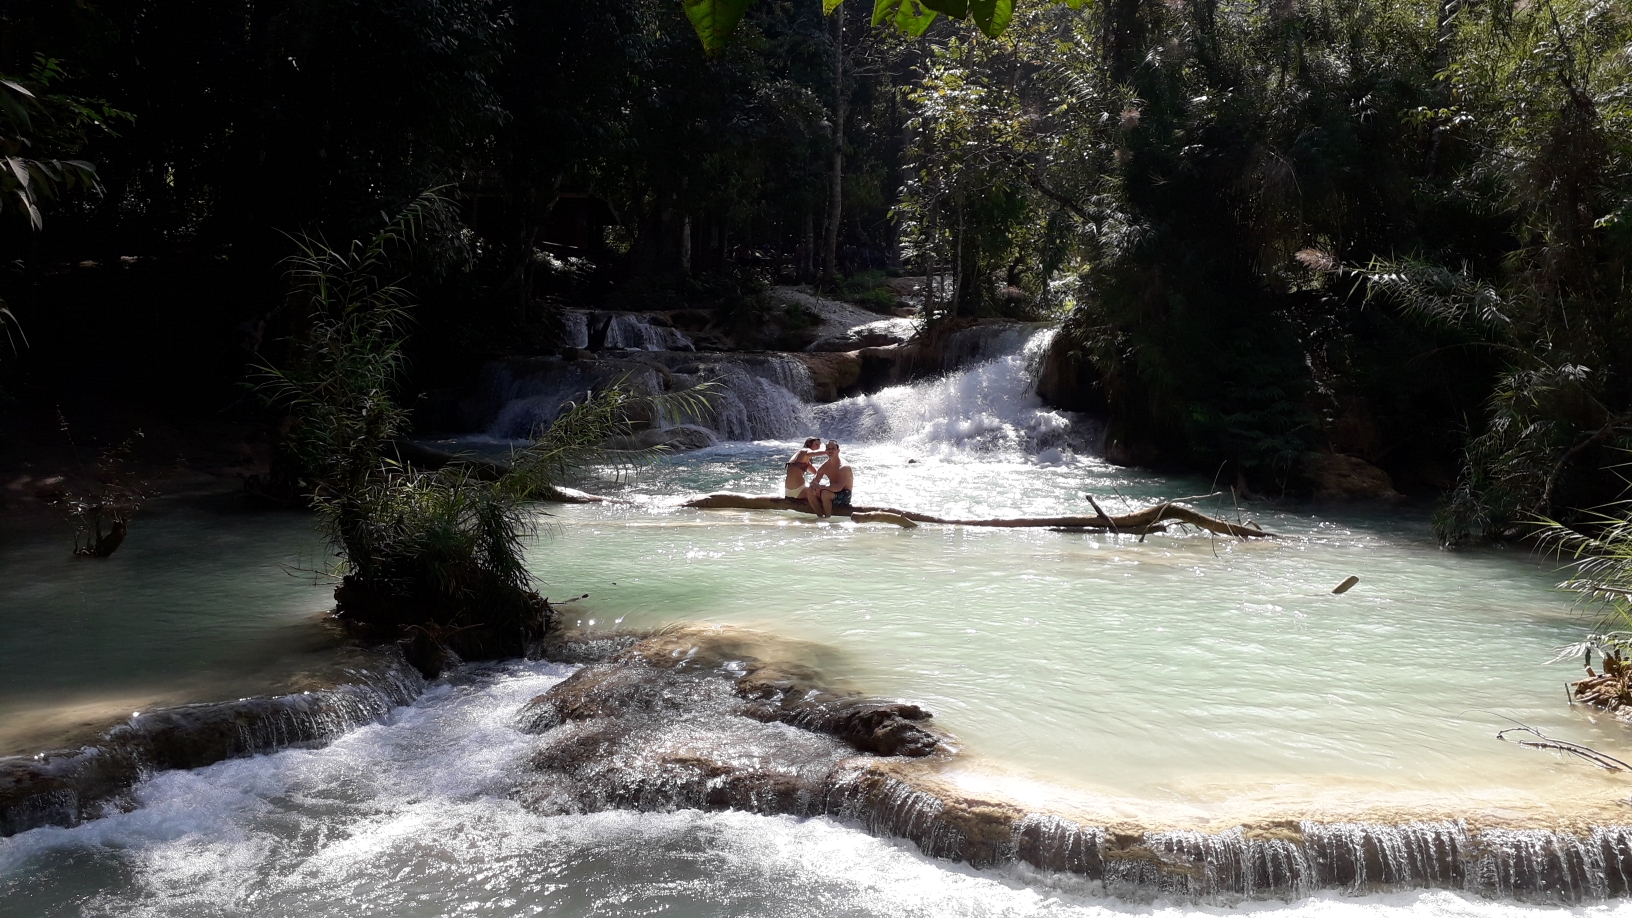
<point>411,818</point>
<point>1185,679</point>
<point>1195,671</point>
<point>204,601</point>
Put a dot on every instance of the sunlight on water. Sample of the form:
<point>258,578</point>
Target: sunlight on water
<point>1197,671</point>
<point>411,819</point>
<point>202,602</point>
<point>1186,680</point>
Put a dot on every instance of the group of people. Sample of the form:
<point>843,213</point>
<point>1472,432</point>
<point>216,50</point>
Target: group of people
<point>829,484</point>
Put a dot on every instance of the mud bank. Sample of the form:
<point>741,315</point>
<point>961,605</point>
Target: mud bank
<point>714,718</point>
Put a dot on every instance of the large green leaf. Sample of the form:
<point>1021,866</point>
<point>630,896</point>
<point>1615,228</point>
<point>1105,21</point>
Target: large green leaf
<point>910,16</point>
<point>957,9</point>
<point>714,20</point>
<point>828,6</point>
<point>992,15</point>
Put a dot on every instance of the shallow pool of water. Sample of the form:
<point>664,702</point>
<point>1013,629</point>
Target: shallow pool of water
<point>204,601</point>
<point>1185,680</point>
<point>1186,675</point>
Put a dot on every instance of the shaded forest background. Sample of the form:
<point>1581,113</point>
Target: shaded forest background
<point>1397,231</point>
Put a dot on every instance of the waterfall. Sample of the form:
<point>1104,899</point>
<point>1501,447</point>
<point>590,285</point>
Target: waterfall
<point>988,407</point>
<point>70,786</point>
<point>576,323</point>
<point>754,397</point>
<point>986,342</point>
<point>634,332</point>
<point>985,404</point>
<point>758,399</point>
<point>521,397</point>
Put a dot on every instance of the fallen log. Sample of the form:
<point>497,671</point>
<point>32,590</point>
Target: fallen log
<point>882,516</point>
<point>1136,523</point>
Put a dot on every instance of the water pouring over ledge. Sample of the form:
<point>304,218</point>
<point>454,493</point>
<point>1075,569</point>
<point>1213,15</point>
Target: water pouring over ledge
<point>1081,670</point>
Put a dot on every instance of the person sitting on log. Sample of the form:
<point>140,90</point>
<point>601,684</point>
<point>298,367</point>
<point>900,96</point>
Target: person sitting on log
<point>793,483</point>
<point>836,493</point>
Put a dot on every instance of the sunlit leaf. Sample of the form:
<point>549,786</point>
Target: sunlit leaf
<point>828,6</point>
<point>992,15</point>
<point>910,16</point>
<point>715,20</point>
<point>19,168</point>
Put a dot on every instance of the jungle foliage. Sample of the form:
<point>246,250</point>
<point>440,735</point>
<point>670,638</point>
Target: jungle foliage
<point>1272,228</point>
<point>431,558</point>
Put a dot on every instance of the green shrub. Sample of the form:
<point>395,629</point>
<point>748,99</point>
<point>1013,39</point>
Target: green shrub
<point>431,559</point>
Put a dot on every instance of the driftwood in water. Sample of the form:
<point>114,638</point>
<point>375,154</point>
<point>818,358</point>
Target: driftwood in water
<point>1601,759</point>
<point>1610,689</point>
<point>1137,523</point>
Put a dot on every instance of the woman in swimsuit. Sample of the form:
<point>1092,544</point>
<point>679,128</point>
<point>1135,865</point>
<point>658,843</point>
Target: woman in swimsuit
<point>793,484</point>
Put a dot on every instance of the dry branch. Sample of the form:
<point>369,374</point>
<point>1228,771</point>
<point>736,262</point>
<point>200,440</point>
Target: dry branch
<point>1601,759</point>
<point>1138,522</point>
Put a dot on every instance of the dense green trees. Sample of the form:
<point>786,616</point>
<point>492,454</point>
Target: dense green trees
<point>1388,230</point>
<point>1393,230</point>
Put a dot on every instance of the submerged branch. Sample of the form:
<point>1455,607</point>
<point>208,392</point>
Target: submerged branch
<point>1543,741</point>
<point>1137,522</point>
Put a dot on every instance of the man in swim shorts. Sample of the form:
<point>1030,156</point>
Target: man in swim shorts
<point>840,478</point>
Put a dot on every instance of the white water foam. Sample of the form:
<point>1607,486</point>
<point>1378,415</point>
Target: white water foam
<point>412,818</point>
<point>759,400</point>
<point>990,409</point>
<point>629,331</point>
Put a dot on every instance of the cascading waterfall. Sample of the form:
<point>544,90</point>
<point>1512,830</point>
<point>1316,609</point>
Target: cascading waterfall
<point>988,407</point>
<point>629,331</point>
<point>523,402</point>
<point>763,399</point>
<point>755,396</point>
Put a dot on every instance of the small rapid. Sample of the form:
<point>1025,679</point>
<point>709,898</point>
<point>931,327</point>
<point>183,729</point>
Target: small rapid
<point>1173,720</point>
<point>417,816</point>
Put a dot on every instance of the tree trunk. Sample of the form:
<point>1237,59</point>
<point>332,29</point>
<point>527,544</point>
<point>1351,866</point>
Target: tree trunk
<point>685,245</point>
<point>1139,522</point>
<point>835,196</point>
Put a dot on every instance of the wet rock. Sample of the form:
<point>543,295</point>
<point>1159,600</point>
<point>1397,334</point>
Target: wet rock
<point>713,670</point>
<point>680,438</point>
<point>626,689</point>
<point>1068,379</point>
<point>1335,476</point>
<point>872,334</point>
<point>833,375</point>
<point>563,646</point>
